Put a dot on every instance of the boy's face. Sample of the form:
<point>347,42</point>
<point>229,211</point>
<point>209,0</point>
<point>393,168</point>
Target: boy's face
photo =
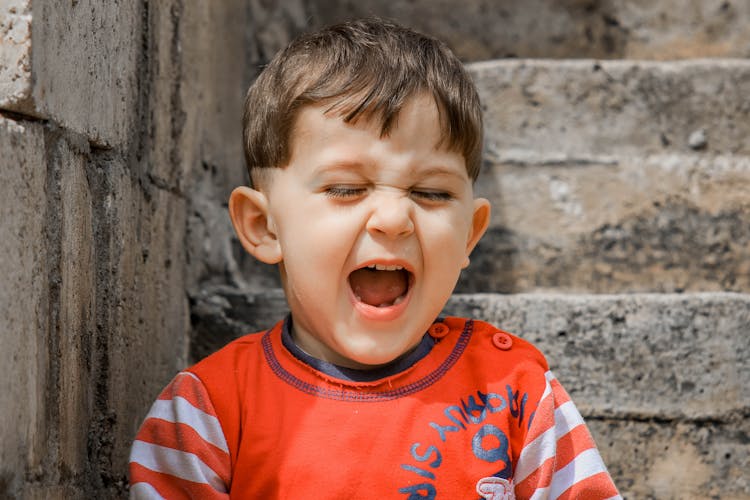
<point>370,232</point>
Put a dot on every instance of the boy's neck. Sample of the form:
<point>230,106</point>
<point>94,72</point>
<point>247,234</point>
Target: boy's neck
<point>394,367</point>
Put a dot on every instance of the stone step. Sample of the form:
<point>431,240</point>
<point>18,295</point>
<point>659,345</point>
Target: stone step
<point>667,29</point>
<point>660,223</point>
<point>691,350</point>
<point>584,111</point>
<point>682,344</point>
<point>663,379</point>
<point>614,176</point>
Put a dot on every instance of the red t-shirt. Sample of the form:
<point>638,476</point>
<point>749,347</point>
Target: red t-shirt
<point>480,415</point>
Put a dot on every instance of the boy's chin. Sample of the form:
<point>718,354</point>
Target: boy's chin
<point>372,358</point>
<point>365,362</point>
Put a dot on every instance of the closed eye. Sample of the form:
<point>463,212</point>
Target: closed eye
<point>434,196</point>
<point>344,191</point>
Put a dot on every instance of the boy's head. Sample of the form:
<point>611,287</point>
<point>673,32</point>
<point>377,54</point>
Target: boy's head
<point>368,68</point>
<point>363,142</point>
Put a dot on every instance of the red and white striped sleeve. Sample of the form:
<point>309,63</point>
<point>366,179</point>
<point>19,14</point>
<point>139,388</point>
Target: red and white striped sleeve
<point>559,458</point>
<point>180,450</point>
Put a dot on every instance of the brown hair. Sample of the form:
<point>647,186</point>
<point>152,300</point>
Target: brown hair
<point>368,68</point>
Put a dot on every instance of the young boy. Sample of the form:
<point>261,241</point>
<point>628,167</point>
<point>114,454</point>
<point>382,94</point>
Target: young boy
<point>363,142</point>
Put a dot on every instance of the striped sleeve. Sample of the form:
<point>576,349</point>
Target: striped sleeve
<point>180,450</point>
<point>559,458</point>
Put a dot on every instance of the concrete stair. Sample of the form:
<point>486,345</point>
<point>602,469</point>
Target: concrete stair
<point>625,352</point>
<point>615,176</point>
<point>619,245</point>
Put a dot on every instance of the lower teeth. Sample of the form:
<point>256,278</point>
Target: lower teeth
<point>395,302</point>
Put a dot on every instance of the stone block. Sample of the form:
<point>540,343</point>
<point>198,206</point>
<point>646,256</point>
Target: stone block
<point>73,348</point>
<point>75,63</point>
<point>660,223</point>
<point>24,302</point>
<point>221,63</point>
<point>141,336</point>
<point>227,44</point>
<point>637,357</point>
<point>570,112</point>
<point>220,314</point>
<point>94,329</point>
<point>641,356</point>
<point>15,56</point>
<point>631,29</point>
<point>682,460</point>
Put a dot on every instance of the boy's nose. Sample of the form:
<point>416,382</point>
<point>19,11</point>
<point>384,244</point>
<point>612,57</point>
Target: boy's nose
<point>391,215</point>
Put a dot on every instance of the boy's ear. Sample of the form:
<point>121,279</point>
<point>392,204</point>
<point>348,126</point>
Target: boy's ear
<point>479,223</point>
<point>248,209</point>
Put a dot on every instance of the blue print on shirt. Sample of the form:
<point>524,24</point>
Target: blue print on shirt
<point>488,442</point>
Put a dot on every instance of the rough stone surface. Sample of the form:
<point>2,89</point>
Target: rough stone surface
<point>630,29</point>
<point>93,239</point>
<point>94,328</point>
<point>662,379</point>
<point>228,60</point>
<point>589,111</point>
<point>221,314</point>
<point>676,460</point>
<point>74,63</point>
<point>142,319</point>
<point>73,326</point>
<point>666,223</point>
<point>15,55</point>
<point>644,356</point>
<point>23,301</point>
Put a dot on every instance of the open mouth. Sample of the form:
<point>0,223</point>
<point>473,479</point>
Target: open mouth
<point>380,285</point>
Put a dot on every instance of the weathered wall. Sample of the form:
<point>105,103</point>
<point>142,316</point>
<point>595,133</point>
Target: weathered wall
<point>615,176</point>
<point>119,142</point>
<point>603,29</point>
<point>96,140</point>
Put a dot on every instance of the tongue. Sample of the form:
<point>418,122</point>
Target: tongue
<point>378,288</point>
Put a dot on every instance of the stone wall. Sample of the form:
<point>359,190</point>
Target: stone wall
<point>106,109</point>
<point>600,29</point>
<point>119,143</point>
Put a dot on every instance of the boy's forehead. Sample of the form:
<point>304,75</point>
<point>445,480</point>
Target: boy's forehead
<point>420,113</point>
<point>422,107</point>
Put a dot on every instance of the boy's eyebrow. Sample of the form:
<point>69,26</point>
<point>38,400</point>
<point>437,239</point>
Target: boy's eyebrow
<point>416,172</point>
<point>444,171</point>
<point>338,165</point>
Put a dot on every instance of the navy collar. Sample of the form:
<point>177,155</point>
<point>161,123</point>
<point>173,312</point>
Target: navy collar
<point>398,365</point>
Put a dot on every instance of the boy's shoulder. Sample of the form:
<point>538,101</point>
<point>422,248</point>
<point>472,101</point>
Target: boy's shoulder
<point>489,341</point>
<point>228,360</point>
